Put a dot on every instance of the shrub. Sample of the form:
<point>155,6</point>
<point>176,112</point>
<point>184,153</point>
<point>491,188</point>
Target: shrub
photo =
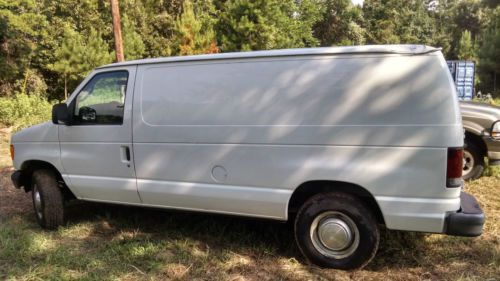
<point>21,111</point>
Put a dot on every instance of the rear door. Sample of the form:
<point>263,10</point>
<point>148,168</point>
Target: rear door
<point>96,150</point>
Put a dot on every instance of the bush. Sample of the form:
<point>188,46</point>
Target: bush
<point>21,111</point>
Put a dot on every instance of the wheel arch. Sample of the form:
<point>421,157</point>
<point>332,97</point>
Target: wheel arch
<point>310,188</point>
<point>29,166</point>
<point>476,139</point>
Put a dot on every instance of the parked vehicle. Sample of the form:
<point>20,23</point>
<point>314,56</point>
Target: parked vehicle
<point>340,140</point>
<point>482,137</point>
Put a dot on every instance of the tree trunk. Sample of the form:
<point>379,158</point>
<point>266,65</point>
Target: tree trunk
<point>495,82</point>
<point>117,31</point>
<point>65,87</point>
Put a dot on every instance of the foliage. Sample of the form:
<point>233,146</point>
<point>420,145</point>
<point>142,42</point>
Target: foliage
<point>193,35</point>
<point>22,110</point>
<point>394,22</point>
<point>132,42</point>
<point>341,24</point>
<point>77,56</point>
<point>465,48</point>
<point>31,84</point>
<point>246,25</point>
<point>21,30</point>
<point>48,46</point>
<point>489,54</point>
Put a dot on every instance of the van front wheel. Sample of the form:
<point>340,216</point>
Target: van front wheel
<point>48,200</point>
<point>336,230</point>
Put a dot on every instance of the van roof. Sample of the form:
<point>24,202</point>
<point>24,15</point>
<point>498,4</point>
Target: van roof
<point>348,50</point>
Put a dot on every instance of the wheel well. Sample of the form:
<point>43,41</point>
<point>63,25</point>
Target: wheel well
<point>308,189</point>
<point>28,167</point>
<point>477,140</point>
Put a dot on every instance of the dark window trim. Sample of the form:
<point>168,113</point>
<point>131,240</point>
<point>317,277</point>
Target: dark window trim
<point>73,102</point>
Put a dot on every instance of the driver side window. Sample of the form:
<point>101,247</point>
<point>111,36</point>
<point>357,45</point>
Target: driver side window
<point>102,100</point>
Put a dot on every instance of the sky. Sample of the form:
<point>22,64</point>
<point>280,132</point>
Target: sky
<point>357,2</point>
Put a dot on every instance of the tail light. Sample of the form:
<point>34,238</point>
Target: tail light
<point>455,167</point>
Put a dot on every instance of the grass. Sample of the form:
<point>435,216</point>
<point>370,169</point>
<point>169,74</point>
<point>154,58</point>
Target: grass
<point>104,242</point>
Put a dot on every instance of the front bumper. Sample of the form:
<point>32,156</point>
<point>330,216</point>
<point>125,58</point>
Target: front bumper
<point>16,178</point>
<point>468,221</point>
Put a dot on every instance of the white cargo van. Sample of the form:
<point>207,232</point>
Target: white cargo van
<point>341,140</point>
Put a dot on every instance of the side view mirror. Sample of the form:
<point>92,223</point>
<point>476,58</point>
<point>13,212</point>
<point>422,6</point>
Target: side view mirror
<point>87,114</point>
<point>60,114</point>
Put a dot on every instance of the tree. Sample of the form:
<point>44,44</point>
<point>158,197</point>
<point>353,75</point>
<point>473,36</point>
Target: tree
<point>132,41</point>
<point>246,25</point>
<point>488,54</point>
<point>340,24</point>
<point>394,21</point>
<point>21,30</point>
<point>193,37</point>
<point>77,56</point>
<point>154,22</point>
<point>65,64</point>
<point>465,47</point>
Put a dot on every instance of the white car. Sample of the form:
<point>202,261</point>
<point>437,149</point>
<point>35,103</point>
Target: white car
<point>341,140</point>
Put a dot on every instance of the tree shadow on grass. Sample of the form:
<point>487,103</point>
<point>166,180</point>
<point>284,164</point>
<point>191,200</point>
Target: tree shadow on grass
<point>218,230</point>
<point>265,241</point>
<point>132,243</point>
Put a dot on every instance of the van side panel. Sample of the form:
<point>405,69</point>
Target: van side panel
<point>238,136</point>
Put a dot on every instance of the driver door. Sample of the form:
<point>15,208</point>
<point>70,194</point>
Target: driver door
<point>96,149</point>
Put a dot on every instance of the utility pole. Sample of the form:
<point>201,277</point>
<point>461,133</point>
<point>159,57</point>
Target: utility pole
<point>117,31</point>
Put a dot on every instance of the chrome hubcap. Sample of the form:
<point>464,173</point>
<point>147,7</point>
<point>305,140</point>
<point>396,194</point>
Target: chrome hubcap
<point>468,163</point>
<point>334,235</point>
<point>37,199</point>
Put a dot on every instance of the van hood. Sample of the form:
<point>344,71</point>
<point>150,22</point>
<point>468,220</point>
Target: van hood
<point>44,132</point>
<point>483,110</point>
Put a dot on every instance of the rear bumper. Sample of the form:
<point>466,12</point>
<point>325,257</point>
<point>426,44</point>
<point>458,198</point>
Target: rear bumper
<point>468,221</point>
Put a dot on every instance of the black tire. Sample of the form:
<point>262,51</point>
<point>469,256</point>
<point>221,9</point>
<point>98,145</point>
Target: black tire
<point>349,208</point>
<point>49,207</point>
<point>473,161</point>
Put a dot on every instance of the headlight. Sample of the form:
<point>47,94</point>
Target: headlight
<point>495,130</point>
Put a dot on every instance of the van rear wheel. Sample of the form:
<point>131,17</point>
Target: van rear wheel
<point>48,200</point>
<point>336,230</point>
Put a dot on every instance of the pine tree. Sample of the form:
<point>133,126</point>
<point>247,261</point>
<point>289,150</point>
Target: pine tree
<point>77,56</point>
<point>465,47</point>
<point>394,21</point>
<point>488,54</point>
<point>267,24</point>
<point>192,36</point>
<point>72,44</point>
<point>132,41</point>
